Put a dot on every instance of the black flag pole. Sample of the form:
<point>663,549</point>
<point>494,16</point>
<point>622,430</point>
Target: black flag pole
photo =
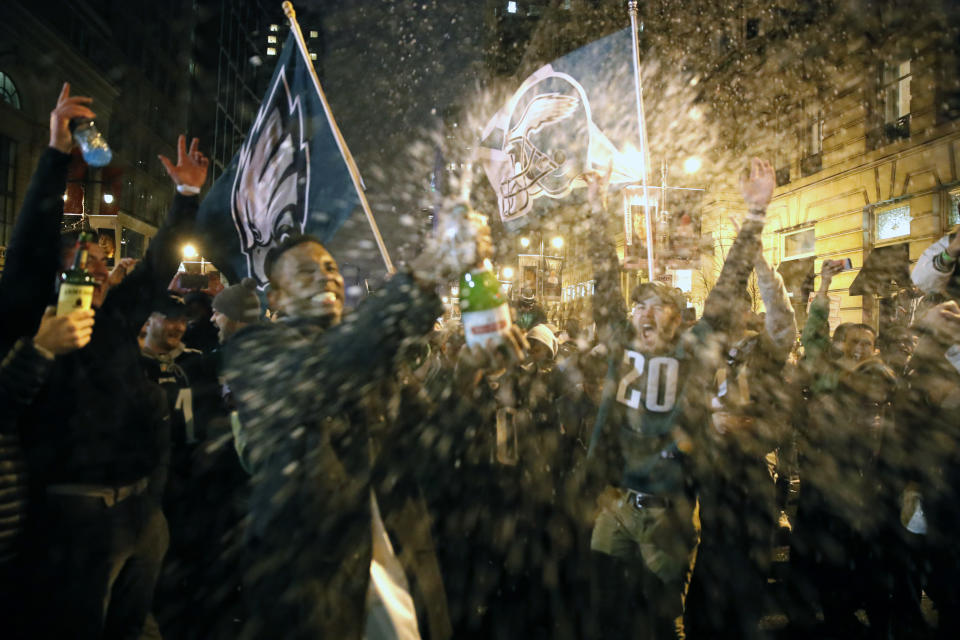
<point>341,143</point>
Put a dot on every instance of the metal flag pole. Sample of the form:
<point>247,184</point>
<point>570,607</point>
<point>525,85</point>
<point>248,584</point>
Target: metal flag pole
<point>341,143</point>
<point>642,125</point>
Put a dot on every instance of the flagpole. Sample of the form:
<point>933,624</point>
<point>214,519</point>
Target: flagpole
<point>341,143</point>
<point>642,125</point>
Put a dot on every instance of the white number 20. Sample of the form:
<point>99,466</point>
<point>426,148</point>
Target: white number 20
<point>661,370</point>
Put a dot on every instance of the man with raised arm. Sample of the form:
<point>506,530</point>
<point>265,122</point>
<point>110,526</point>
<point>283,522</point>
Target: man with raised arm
<point>97,442</point>
<point>655,405</point>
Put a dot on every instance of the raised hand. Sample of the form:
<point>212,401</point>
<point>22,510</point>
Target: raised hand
<point>191,167</point>
<point>63,334</point>
<point>124,266</point>
<point>473,363</point>
<point>68,108</point>
<point>757,185</point>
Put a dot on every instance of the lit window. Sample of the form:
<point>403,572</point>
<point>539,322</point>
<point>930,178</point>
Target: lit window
<point>271,51</point>
<point>271,39</point>
<point>274,27</point>
<point>896,90</point>
<point>799,244</point>
<point>8,91</point>
<point>313,56</point>
<point>684,279</point>
<point>511,7</point>
<point>953,214</point>
<point>314,34</point>
<point>893,223</point>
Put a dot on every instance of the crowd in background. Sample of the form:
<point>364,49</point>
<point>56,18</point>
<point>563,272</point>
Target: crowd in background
<point>174,463</point>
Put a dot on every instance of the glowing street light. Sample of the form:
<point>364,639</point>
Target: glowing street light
<point>190,251</point>
<point>524,242</point>
<point>507,273</point>
<point>692,164</point>
<point>108,198</point>
<point>557,243</point>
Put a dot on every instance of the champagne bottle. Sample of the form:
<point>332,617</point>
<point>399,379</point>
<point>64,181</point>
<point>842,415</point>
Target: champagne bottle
<point>483,307</point>
<point>76,283</point>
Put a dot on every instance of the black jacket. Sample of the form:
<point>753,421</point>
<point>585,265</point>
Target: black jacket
<point>91,423</point>
<point>301,395</point>
<point>33,254</point>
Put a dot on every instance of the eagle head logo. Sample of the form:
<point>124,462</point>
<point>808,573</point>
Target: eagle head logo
<point>269,199</point>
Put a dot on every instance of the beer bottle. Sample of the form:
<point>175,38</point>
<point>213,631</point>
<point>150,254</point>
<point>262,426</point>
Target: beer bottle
<point>483,307</point>
<point>76,283</point>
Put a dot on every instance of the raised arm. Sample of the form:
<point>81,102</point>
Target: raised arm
<point>133,297</point>
<point>757,189</point>
<point>781,322</point>
<point>935,267</point>
<point>33,254</point>
<point>816,332</point>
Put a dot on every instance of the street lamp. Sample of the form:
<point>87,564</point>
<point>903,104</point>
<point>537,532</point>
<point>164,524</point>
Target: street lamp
<point>507,273</point>
<point>189,251</point>
<point>692,164</point>
<point>108,198</point>
<point>524,242</point>
<point>557,242</point>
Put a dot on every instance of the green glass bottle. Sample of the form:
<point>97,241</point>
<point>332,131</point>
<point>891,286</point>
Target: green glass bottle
<point>76,283</point>
<point>483,307</point>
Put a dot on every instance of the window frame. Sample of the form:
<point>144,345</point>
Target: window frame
<point>783,243</point>
<point>877,212</point>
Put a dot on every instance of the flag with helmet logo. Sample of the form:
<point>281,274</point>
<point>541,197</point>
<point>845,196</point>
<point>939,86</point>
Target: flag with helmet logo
<point>574,115</point>
<point>290,176</point>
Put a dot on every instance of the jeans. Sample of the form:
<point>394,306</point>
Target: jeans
<point>98,566</point>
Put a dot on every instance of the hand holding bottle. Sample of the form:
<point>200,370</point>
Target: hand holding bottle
<point>68,108</point>
<point>63,334</point>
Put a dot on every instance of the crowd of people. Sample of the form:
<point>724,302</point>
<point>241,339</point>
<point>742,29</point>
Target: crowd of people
<point>208,466</point>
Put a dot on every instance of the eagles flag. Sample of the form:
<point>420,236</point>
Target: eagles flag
<point>289,177</point>
<point>574,115</point>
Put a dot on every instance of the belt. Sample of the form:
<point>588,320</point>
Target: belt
<point>110,495</point>
<point>642,500</point>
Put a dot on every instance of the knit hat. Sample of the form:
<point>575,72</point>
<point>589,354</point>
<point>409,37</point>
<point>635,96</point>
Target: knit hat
<point>239,302</point>
<point>542,334</point>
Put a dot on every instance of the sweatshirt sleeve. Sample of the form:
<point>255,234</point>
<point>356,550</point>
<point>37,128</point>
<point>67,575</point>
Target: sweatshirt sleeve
<point>781,322</point>
<point>931,273</point>
<point>133,297</point>
<point>33,253</point>
<point>733,276</point>
<point>22,374</point>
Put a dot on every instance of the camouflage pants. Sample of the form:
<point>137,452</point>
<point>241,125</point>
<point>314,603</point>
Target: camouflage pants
<point>661,540</point>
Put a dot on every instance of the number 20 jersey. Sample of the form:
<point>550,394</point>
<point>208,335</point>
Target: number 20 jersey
<point>649,415</point>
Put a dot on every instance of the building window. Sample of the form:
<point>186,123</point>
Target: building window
<point>8,174</point>
<point>753,28</point>
<point>953,210</point>
<point>511,7</point>
<point>893,223</point>
<point>314,34</point>
<point>271,39</point>
<point>812,140</point>
<point>8,91</point>
<point>274,27</point>
<point>271,51</point>
<point>783,176</point>
<point>798,244</point>
<point>895,89</point>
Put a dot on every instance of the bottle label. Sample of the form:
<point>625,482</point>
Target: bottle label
<point>73,297</point>
<point>489,324</point>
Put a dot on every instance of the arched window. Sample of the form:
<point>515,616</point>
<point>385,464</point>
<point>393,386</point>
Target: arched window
<point>8,91</point>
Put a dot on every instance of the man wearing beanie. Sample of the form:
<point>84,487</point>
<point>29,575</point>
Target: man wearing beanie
<point>236,308</point>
